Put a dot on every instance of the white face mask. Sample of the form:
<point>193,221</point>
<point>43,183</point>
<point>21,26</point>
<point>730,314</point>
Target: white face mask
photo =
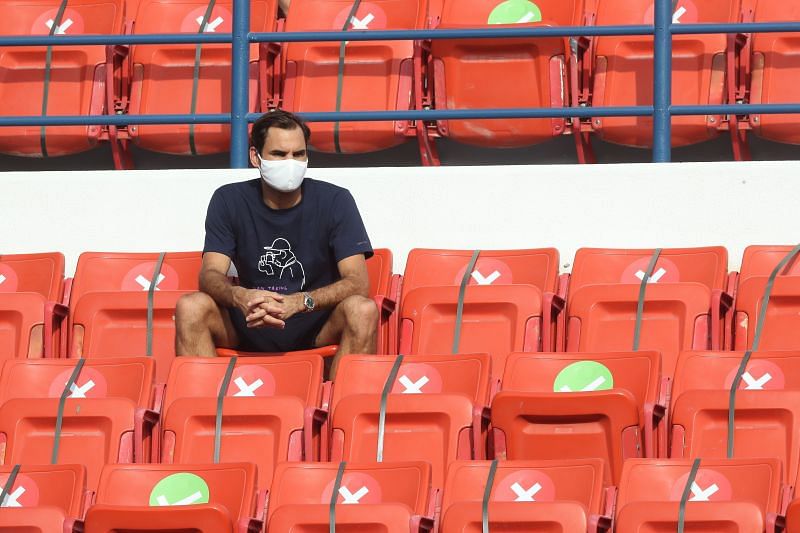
<point>284,175</point>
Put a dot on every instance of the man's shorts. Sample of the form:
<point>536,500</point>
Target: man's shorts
<point>299,334</point>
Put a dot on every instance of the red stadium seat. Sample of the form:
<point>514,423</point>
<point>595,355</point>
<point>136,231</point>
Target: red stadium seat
<point>109,304</point>
<point>766,403</point>
<point>163,75</point>
<point>377,75</point>
<point>765,425</point>
<point>435,411</point>
<point>30,317</point>
<point>623,70</point>
<point>77,75</point>
<point>43,499</point>
<point>608,402</point>
<point>394,496</point>
<point>565,495</point>
<point>684,309</point>
<point>533,72</point>
<point>107,417</point>
<point>176,498</point>
<point>773,70</point>
<point>270,413</point>
<point>781,321</point>
<point>721,499</point>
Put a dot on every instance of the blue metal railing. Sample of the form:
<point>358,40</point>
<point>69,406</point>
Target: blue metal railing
<point>240,39</point>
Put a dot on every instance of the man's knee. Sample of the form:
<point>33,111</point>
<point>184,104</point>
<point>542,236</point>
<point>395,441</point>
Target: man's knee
<point>360,313</point>
<point>194,310</point>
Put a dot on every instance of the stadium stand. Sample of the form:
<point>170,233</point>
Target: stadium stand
<point>616,390</point>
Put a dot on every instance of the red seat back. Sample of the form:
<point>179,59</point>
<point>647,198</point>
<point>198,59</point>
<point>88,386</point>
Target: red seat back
<point>576,480</point>
<point>718,480</point>
<point>112,271</point>
<point>593,266</point>
<point>305,486</point>
<point>37,273</point>
<point>464,374</point>
<point>432,267</point>
<point>130,378</point>
<point>203,498</point>
<point>56,486</point>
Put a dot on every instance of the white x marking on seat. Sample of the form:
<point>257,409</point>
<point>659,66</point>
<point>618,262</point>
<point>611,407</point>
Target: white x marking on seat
<point>145,283</point>
<point>61,29</point>
<point>488,280</point>
<point>2,279</point>
<point>657,275</point>
<point>210,27</point>
<point>362,24</point>
<point>701,495</point>
<point>525,495</point>
<point>12,499</point>
<point>80,392</point>
<point>756,384</point>
<point>676,17</point>
<point>413,387</point>
<point>350,497</point>
<point>245,389</point>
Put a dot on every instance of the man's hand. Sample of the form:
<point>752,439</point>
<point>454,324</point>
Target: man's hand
<point>290,306</point>
<point>261,309</point>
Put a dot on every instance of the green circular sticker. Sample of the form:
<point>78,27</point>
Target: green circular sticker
<point>179,489</point>
<point>584,376</point>
<point>515,12</point>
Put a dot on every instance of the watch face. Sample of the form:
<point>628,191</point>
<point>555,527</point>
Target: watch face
<point>309,302</point>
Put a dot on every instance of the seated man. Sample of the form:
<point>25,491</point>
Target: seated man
<point>300,249</point>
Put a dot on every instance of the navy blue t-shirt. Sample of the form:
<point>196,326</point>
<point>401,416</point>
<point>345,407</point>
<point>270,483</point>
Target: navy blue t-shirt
<point>285,251</point>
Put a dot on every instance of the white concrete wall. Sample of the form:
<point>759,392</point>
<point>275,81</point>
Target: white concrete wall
<point>567,206</point>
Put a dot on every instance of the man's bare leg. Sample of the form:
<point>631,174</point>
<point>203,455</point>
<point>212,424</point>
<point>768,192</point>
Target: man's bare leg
<point>201,326</point>
<point>354,325</point>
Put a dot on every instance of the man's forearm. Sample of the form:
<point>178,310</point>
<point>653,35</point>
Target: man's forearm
<point>331,295</point>
<point>219,287</point>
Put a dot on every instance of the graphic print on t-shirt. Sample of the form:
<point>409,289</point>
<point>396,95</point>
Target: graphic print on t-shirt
<point>281,266</point>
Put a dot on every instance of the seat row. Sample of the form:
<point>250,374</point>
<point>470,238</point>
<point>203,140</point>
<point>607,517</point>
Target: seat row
<point>728,495</point>
<point>567,426</point>
<point>513,301</point>
<point>391,75</point>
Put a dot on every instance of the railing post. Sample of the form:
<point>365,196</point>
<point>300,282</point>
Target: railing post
<point>240,61</point>
<point>662,82</point>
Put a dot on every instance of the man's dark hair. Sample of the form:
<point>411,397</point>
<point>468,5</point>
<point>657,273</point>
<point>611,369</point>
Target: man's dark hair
<point>275,119</point>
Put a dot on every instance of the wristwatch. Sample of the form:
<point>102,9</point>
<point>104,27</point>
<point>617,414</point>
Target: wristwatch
<point>308,301</point>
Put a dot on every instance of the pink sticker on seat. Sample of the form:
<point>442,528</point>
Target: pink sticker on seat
<point>356,488</point>
<point>525,486</point>
<point>138,278</point>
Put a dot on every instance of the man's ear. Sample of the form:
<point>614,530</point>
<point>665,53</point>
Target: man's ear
<point>253,157</point>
